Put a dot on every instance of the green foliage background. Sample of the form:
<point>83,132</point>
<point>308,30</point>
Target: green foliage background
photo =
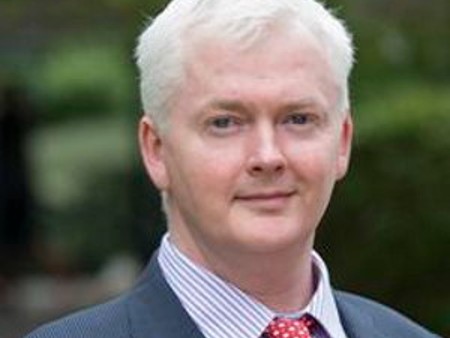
<point>387,232</point>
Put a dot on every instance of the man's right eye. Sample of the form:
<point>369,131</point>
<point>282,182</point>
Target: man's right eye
<point>223,122</point>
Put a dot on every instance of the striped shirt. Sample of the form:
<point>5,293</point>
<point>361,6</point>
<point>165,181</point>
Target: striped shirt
<point>221,310</point>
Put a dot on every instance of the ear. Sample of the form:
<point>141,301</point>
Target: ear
<point>151,147</point>
<point>345,145</point>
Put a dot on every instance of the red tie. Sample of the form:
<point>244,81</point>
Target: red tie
<point>290,328</point>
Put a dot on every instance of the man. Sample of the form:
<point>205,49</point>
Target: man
<point>247,129</point>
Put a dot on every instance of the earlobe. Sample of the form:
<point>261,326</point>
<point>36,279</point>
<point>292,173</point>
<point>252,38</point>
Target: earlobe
<point>345,145</point>
<point>152,153</point>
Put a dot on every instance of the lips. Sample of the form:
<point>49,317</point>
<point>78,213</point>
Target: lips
<point>272,202</point>
<point>265,196</point>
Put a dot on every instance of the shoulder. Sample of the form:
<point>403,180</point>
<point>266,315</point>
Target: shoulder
<point>143,309</point>
<point>104,320</point>
<point>358,312</point>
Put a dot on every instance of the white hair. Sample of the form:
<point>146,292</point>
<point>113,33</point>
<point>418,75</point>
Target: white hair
<point>161,46</point>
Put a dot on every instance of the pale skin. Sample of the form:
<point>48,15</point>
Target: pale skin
<point>249,162</point>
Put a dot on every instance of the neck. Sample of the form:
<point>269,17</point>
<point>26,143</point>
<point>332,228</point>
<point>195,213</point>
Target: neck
<point>281,280</point>
<point>281,285</point>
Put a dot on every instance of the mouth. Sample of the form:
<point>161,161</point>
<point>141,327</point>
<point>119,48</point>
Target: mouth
<point>266,195</point>
<point>271,201</point>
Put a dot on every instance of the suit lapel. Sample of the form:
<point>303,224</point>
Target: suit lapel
<point>155,311</point>
<point>356,323</point>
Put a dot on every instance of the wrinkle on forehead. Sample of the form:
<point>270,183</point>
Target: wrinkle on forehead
<point>263,62</point>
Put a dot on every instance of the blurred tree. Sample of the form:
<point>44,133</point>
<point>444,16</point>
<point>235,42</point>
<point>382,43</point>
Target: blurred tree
<point>15,191</point>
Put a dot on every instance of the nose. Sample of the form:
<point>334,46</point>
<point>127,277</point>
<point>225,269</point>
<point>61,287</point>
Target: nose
<point>267,159</point>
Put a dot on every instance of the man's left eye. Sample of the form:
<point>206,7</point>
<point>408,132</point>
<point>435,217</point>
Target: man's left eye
<point>297,119</point>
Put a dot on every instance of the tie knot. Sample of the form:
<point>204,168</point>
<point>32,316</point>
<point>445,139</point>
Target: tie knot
<point>290,328</point>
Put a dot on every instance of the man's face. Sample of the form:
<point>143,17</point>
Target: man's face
<point>253,148</point>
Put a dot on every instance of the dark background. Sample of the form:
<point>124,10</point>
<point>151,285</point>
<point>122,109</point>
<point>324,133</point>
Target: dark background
<point>78,217</point>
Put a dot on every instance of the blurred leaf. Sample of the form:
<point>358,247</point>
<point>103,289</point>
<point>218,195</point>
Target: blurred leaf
<point>77,80</point>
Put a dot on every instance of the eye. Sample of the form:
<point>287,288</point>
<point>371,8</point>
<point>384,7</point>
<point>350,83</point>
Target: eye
<point>298,119</point>
<point>224,124</point>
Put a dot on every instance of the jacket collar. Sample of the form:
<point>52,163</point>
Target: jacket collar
<point>356,323</point>
<point>168,319</point>
<point>152,295</point>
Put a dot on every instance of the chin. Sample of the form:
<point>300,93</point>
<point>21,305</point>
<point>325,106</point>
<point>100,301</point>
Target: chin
<point>275,237</point>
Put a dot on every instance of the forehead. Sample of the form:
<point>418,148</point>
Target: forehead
<point>280,64</point>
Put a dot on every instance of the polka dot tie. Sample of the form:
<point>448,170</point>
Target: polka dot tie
<point>290,328</point>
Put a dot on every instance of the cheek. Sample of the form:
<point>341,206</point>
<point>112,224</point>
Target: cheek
<point>312,161</point>
<point>221,172</point>
<point>207,168</point>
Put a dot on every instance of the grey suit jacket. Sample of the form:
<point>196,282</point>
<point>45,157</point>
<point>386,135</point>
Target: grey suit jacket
<point>152,310</point>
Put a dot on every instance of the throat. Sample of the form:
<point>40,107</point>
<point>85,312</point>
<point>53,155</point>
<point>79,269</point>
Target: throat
<point>282,287</point>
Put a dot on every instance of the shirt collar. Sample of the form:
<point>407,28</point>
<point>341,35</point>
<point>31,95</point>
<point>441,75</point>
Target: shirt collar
<point>221,310</point>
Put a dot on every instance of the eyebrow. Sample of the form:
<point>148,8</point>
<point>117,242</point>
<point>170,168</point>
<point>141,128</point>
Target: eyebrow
<point>224,104</point>
<point>236,105</point>
<point>304,103</point>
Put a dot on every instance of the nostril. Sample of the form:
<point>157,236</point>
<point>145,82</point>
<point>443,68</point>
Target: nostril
<point>278,169</point>
<point>257,169</point>
<point>267,168</point>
